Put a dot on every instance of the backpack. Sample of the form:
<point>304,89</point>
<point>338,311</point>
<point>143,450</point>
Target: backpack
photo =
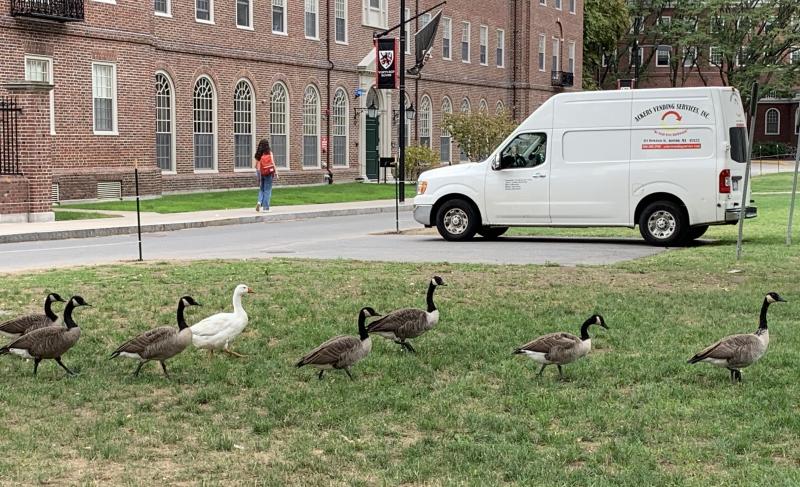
<point>265,165</point>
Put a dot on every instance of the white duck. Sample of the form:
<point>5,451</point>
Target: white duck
<point>217,331</point>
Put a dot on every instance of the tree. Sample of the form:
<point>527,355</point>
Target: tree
<point>605,23</point>
<point>477,134</point>
<point>419,158</point>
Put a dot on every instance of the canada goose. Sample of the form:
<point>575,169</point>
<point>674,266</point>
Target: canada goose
<point>736,352</point>
<point>561,348</point>
<point>160,343</point>
<point>343,351</point>
<point>51,341</point>
<point>19,326</point>
<point>402,324</point>
<point>217,331</point>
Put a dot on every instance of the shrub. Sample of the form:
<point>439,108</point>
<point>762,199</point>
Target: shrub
<point>419,158</point>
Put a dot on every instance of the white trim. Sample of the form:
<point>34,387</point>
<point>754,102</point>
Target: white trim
<point>253,129</point>
<point>557,4</point>
<point>250,26</point>
<point>173,123</point>
<point>449,22</point>
<point>114,127</point>
<point>316,20</point>
<point>571,54</point>
<point>375,17</point>
<point>50,79</point>
<point>210,13</point>
<point>573,6</point>
<point>466,27</point>
<point>556,45</point>
<point>542,65</point>
<point>503,58</point>
<point>483,29</point>
<point>669,57</point>
<point>286,122</point>
<point>346,24</point>
<point>346,130</point>
<point>318,122</point>
<point>285,31</point>
<point>214,121</point>
<point>766,121</point>
<point>109,2</point>
<point>167,14</point>
<point>162,15</point>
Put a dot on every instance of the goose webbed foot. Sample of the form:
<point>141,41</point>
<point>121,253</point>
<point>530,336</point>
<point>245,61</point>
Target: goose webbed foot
<point>320,374</point>
<point>408,347</point>
<point>560,373</point>
<point>164,368</point>
<point>736,376</point>
<point>235,354</point>
<point>348,374</point>
<point>36,365</point>
<point>59,362</point>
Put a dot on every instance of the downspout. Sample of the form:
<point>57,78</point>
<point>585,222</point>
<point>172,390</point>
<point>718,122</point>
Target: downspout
<point>328,83</point>
<point>416,82</point>
<point>515,67</point>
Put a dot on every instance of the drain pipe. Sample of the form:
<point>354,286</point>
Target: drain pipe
<point>514,68</point>
<point>328,113</point>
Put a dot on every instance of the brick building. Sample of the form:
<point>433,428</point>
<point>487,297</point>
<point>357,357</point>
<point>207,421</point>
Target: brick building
<point>187,87</point>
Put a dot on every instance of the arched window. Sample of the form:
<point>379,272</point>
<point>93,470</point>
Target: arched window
<point>444,140</point>
<point>773,122</point>
<point>340,128</point>
<point>310,127</point>
<point>243,133</point>
<point>425,121</point>
<point>204,125</point>
<point>165,126</point>
<point>483,107</point>
<point>466,107</point>
<point>278,128</point>
<point>499,109</point>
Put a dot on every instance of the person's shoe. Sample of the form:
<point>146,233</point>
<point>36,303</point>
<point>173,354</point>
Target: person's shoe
<point>266,209</point>
<point>258,207</point>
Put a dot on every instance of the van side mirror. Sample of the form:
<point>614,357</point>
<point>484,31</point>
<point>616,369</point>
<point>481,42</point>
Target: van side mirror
<point>496,166</point>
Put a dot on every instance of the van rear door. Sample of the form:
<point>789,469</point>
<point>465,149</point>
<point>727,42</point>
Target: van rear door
<point>733,165</point>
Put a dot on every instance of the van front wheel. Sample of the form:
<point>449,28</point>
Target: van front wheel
<point>663,223</point>
<point>456,220</point>
<point>491,233</point>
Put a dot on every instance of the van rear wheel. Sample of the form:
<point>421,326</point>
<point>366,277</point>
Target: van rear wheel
<point>491,233</point>
<point>457,220</point>
<point>663,223</point>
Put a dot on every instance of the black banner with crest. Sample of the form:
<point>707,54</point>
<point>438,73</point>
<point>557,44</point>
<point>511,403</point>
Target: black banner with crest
<point>386,63</point>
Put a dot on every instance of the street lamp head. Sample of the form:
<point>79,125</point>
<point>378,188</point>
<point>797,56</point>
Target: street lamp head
<point>372,110</point>
<point>411,113</point>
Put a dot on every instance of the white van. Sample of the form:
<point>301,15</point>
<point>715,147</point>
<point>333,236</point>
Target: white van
<point>669,160</point>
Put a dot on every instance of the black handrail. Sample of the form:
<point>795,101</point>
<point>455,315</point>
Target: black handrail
<point>63,10</point>
<point>9,136</point>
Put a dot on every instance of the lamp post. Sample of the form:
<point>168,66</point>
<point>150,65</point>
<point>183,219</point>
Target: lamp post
<point>401,132</point>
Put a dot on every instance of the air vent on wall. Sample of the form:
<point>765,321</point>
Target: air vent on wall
<point>109,190</point>
<point>55,193</point>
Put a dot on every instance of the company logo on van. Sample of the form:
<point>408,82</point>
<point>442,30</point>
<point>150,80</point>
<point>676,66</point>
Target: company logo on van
<point>671,124</point>
<point>671,132</point>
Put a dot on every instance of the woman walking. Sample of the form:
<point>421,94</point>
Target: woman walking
<point>265,170</point>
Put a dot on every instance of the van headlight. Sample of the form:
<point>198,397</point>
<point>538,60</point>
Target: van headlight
<point>422,186</point>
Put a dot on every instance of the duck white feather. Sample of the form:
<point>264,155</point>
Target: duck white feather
<point>217,331</point>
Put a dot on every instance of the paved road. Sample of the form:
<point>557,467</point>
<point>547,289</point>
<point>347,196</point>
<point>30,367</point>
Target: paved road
<point>351,237</point>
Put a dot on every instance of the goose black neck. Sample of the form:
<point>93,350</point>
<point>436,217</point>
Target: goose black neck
<point>762,319</point>
<point>585,329</point>
<point>68,315</point>
<point>431,305</point>
<point>48,310</point>
<point>362,326</point>
<point>181,319</point>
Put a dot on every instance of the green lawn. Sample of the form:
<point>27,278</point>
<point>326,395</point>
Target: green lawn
<point>245,198</point>
<point>773,182</point>
<point>79,215</point>
<point>463,411</point>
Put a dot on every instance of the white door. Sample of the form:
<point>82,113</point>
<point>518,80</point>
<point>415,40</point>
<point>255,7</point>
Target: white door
<point>517,183</point>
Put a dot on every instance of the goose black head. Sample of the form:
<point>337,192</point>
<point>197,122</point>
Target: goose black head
<point>53,297</point>
<point>773,297</point>
<point>368,312</point>
<point>599,321</point>
<point>78,301</point>
<point>189,301</point>
<point>438,281</point>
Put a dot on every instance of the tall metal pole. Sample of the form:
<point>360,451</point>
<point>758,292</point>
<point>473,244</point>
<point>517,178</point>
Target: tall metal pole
<point>401,167</point>
<point>794,181</point>
<point>743,207</point>
<point>138,214</point>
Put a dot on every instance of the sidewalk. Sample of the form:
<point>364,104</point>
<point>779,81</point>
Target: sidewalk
<point>163,222</point>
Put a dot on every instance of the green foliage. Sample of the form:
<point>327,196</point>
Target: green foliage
<point>419,158</point>
<point>772,149</point>
<point>605,23</point>
<point>478,133</point>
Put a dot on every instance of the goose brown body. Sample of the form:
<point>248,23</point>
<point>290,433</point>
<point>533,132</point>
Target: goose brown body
<point>17,327</point>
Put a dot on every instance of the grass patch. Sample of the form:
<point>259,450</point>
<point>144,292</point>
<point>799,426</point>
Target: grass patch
<point>245,198</point>
<point>463,411</point>
<point>773,182</point>
<point>79,215</point>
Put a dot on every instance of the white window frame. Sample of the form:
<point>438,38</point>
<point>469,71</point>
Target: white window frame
<point>794,56</point>
<point>483,45</point>
<point>253,129</point>
<point>543,2</point>
<point>665,20</point>
<point>340,91</point>
<point>541,55</point>
<point>286,124</point>
<point>571,57</point>
<point>499,107</point>
<point>214,121</point>
<point>409,32</point>
<point>501,47</point>
<point>285,31</point>
<point>173,138</point>
<point>249,15</point>
<point>555,56</point>
<point>466,27</point>
<point>318,128</point>
<point>447,108</point>
<point>50,78</point>
<point>447,35</point>
<point>711,56</point>
<point>115,128</point>
<point>557,4</point>
<point>690,55</point>
<point>425,120</point>
<point>314,3</point>
<point>669,57</point>
<point>573,7</point>
<point>641,56</point>
<point>777,123</point>
<point>210,13</point>
<point>167,14</point>
<point>110,2</point>
<point>346,40</point>
<point>375,17</point>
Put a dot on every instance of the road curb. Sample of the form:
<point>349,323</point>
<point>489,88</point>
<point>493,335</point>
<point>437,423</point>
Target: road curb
<point>169,227</point>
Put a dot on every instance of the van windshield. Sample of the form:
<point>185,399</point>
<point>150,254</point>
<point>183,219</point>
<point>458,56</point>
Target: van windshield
<point>738,144</point>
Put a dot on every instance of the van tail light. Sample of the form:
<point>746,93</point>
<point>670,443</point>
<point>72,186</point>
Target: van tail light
<point>725,181</point>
